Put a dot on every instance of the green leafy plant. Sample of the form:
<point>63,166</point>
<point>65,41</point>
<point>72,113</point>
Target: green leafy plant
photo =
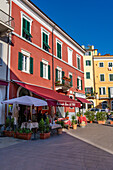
<point>73,119</point>
<point>90,115</point>
<point>79,114</point>
<point>101,116</point>
<point>7,122</point>
<point>67,113</point>
<point>42,126</point>
<point>23,130</point>
<point>61,123</point>
<point>47,125</point>
<point>57,114</point>
<point>12,123</point>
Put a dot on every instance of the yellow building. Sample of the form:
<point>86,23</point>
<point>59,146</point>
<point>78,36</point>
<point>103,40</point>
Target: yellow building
<point>103,81</point>
<point>89,74</point>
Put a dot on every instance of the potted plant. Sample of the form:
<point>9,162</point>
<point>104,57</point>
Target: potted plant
<point>74,122</point>
<point>44,129</point>
<point>23,134</point>
<point>90,116</point>
<point>9,125</point>
<point>101,117</point>
<point>66,116</point>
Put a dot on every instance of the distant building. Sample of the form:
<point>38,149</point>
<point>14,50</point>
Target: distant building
<point>89,74</point>
<point>103,78</point>
<point>6,26</point>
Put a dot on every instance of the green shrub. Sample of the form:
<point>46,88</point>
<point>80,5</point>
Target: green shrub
<point>41,126</point>
<point>73,119</point>
<point>79,114</point>
<point>7,122</point>
<point>60,123</point>
<point>47,125</point>
<point>90,115</point>
<point>12,123</point>
<point>101,116</point>
<point>67,113</point>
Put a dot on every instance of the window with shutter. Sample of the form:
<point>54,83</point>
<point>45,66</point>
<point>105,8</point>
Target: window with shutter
<point>71,83</point>
<point>77,83</point>
<point>102,91</point>
<point>109,95</point>
<point>41,69</point>
<point>102,77</point>
<point>26,29</point>
<point>49,77</point>
<point>78,62</point>
<point>58,50</point>
<point>31,65</point>
<point>110,77</point>
<point>63,73</point>
<point>45,42</point>
<point>87,75</point>
<point>20,57</point>
<point>101,64</point>
<point>56,74</point>
<point>88,63</point>
<point>81,85</point>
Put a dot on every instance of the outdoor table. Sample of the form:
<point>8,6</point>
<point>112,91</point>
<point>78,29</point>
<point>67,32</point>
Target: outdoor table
<point>55,127</point>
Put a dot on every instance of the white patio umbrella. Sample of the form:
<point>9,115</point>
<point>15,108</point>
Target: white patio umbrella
<point>26,100</point>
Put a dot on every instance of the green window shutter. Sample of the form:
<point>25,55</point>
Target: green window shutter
<point>81,85</point>
<point>71,83</point>
<point>77,83</point>
<point>58,50</point>
<point>89,63</point>
<point>78,63</point>
<point>31,65</point>
<point>109,95</point>
<point>85,89</point>
<point>87,75</point>
<point>56,74</point>
<point>100,91</point>
<point>89,53</point>
<point>28,26</point>
<point>102,77</point>
<point>49,72</point>
<point>20,61</point>
<point>91,91</point>
<point>41,69</point>
<point>63,73</point>
<point>104,91</point>
<point>86,62</point>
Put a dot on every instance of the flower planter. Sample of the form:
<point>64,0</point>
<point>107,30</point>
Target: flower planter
<point>8,133</point>
<point>101,121</point>
<point>111,122</point>
<point>74,126</point>
<point>59,131</point>
<point>44,135</point>
<point>25,136</point>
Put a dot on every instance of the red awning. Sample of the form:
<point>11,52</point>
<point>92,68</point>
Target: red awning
<point>51,96</point>
<point>82,100</point>
<point>3,83</point>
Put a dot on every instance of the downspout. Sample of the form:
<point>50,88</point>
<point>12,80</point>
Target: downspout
<point>53,83</point>
<point>94,77</point>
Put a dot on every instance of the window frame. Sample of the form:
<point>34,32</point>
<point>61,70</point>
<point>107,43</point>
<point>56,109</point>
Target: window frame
<point>26,54</point>
<point>100,63</point>
<point>109,77</point>
<point>47,33</point>
<point>58,41</point>
<point>23,15</point>
<point>89,62</point>
<point>46,63</point>
<point>71,56</point>
<point>102,90</point>
<point>71,74</point>
<point>89,75</point>
<point>78,57</point>
<point>104,77</point>
<point>79,83</point>
<point>59,70</point>
<point>109,63</point>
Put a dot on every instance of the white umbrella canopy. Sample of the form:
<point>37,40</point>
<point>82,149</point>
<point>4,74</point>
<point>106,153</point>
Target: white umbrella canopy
<point>26,100</point>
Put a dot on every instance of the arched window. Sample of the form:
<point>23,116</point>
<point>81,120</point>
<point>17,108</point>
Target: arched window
<point>104,104</point>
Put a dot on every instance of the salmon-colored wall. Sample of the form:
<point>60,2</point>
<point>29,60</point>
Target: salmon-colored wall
<point>39,54</point>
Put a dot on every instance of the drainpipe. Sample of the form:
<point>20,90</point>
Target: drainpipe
<point>94,77</point>
<point>53,83</point>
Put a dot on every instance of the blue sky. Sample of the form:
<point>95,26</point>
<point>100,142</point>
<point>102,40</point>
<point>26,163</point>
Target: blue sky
<point>87,22</point>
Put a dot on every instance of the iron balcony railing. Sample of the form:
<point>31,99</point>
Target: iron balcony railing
<point>6,19</point>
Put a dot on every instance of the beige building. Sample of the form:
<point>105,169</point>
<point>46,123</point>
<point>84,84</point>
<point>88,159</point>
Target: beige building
<point>89,74</point>
<point>6,26</point>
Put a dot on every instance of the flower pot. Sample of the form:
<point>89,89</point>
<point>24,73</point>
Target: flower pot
<point>111,122</point>
<point>59,131</point>
<point>25,136</point>
<point>90,121</point>
<point>8,133</point>
<point>74,126</point>
<point>44,135</point>
<point>101,121</point>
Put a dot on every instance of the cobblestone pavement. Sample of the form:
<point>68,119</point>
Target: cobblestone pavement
<point>100,136</point>
<point>62,152</point>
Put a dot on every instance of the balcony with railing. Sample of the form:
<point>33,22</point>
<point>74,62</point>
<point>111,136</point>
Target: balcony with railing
<point>6,23</point>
